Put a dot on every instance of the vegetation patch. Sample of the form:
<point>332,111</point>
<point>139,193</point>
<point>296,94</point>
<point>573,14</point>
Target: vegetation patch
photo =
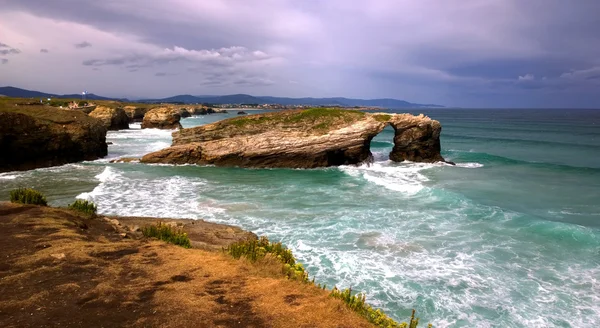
<point>85,207</point>
<point>375,316</point>
<point>254,250</point>
<point>382,117</point>
<point>28,196</point>
<point>312,119</point>
<point>167,233</point>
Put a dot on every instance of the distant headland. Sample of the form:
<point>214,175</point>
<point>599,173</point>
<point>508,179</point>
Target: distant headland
<point>236,100</point>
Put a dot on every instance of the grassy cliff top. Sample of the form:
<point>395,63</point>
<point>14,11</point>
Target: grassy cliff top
<point>78,271</point>
<point>309,121</point>
<point>48,114</point>
<point>313,118</point>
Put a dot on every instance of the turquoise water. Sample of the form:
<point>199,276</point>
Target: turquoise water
<point>510,237</point>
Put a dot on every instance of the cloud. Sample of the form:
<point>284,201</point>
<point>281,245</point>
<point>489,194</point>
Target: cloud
<point>3,60</point>
<point>423,51</point>
<point>5,49</point>
<point>82,45</point>
<point>527,77</point>
<point>592,73</point>
<point>45,51</point>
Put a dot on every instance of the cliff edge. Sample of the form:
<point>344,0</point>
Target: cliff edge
<point>41,136</point>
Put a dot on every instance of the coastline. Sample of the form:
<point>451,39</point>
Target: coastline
<point>102,272</point>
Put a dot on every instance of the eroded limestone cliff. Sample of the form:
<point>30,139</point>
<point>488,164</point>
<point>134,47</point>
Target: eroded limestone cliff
<point>162,118</point>
<point>301,139</point>
<point>112,118</point>
<point>41,136</point>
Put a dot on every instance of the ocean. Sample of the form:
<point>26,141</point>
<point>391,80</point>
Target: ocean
<point>509,237</point>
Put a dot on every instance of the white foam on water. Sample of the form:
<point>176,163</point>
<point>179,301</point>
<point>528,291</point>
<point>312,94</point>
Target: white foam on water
<point>9,176</point>
<point>403,177</point>
<point>469,165</point>
<point>132,195</point>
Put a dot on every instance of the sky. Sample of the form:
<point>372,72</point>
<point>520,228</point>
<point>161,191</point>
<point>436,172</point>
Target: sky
<point>467,53</point>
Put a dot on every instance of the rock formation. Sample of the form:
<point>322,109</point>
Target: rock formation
<point>162,118</point>
<point>135,114</point>
<point>42,136</point>
<point>203,110</point>
<point>183,112</point>
<point>301,139</point>
<point>112,118</point>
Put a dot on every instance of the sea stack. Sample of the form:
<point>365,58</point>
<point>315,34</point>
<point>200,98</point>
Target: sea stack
<point>112,118</point>
<point>162,118</point>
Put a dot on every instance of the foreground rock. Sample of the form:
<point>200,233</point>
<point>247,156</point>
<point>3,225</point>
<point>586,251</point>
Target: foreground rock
<point>112,118</point>
<point>162,118</point>
<point>301,139</point>
<point>41,136</point>
<point>60,269</point>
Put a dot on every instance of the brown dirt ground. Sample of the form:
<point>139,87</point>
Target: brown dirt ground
<point>59,269</point>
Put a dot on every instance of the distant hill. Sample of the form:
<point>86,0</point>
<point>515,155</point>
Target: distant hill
<point>22,93</point>
<point>248,99</point>
<point>232,99</point>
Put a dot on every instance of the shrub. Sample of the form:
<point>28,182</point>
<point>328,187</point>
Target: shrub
<point>28,196</point>
<point>167,233</point>
<point>84,207</point>
<point>254,249</point>
<point>375,316</point>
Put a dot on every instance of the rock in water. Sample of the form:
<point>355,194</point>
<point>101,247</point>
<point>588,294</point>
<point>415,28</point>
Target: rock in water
<point>112,118</point>
<point>311,138</point>
<point>42,136</point>
<point>162,118</point>
<point>416,139</point>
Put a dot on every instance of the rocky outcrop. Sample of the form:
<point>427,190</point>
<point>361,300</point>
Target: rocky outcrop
<point>301,139</point>
<point>416,139</point>
<point>162,118</point>
<point>204,110</point>
<point>183,112</point>
<point>135,114</point>
<point>41,136</point>
<point>112,118</point>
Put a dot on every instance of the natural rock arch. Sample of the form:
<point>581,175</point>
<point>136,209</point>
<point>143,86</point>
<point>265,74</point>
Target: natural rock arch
<point>301,139</point>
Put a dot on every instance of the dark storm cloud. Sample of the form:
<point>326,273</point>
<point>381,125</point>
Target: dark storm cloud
<point>82,45</point>
<point>5,49</point>
<point>3,60</point>
<point>381,48</point>
<point>44,51</point>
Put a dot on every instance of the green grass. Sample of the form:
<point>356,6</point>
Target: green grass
<point>382,117</point>
<point>254,250</point>
<point>28,196</point>
<point>85,207</point>
<point>167,233</point>
<point>313,118</point>
<point>357,303</point>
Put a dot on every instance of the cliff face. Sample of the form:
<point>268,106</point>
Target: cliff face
<point>41,136</point>
<point>300,139</point>
<point>112,118</point>
<point>162,118</point>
